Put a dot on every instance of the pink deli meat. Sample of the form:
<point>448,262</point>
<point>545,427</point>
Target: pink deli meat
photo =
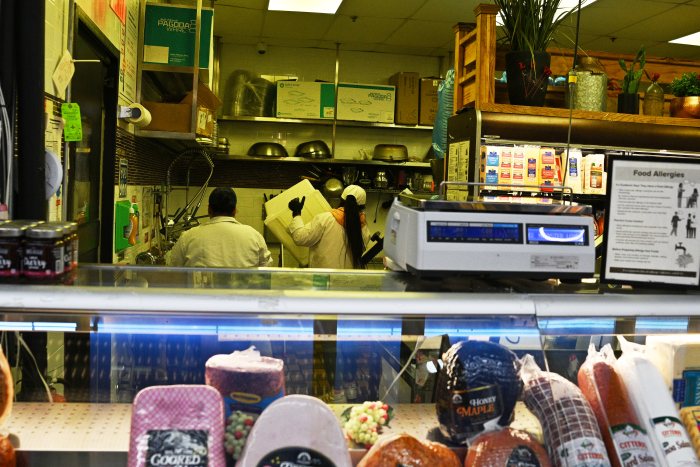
<point>177,426</point>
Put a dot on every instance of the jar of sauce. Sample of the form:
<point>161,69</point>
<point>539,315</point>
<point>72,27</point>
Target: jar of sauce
<point>44,252</point>
<point>11,236</point>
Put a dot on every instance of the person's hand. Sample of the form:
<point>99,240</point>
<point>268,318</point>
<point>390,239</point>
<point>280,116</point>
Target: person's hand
<point>295,205</point>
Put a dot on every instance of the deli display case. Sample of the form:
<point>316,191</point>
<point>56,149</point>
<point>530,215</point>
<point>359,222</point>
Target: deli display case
<point>345,337</point>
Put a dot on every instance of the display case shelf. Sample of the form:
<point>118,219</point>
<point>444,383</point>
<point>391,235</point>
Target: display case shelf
<point>326,122</point>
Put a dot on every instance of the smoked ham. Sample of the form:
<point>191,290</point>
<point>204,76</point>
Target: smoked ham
<point>7,392</point>
<point>407,451</point>
<point>505,448</point>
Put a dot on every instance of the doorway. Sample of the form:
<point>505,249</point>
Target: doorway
<point>90,191</point>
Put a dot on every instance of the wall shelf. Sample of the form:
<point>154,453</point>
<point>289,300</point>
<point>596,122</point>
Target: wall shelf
<point>341,123</point>
<point>231,157</point>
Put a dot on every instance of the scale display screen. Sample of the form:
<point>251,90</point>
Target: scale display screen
<point>474,232</point>
<point>540,234</point>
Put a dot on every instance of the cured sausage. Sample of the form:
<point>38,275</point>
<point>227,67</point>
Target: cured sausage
<point>570,429</point>
<point>505,448</point>
<point>407,451</point>
<point>627,442</point>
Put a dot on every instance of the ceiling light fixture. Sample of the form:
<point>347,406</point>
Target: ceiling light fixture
<point>306,6</point>
<point>564,6</point>
<point>690,39</point>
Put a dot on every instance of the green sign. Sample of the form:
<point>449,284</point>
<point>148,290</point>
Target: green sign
<point>73,127</point>
<point>169,35</point>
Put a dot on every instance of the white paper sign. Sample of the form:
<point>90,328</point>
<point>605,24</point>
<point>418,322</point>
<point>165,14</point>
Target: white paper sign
<point>63,73</point>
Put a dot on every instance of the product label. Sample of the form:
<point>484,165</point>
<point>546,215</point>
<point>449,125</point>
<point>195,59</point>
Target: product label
<point>295,457</point>
<point>674,441</point>
<point>583,452</point>
<point>506,159</point>
<point>522,456</point>
<point>492,176</point>
<point>548,172</point>
<point>177,448</point>
<point>248,402</point>
<point>10,261</point>
<point>547,157</point>
<point>476,406</point>
<point>633,445</point>
<point>492,158</point>
<point>43,262</point>
<point>573,167</point>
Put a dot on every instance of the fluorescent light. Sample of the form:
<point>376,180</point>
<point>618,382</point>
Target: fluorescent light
<point>306,6</point>
<point>691,39</point>
<point>37,326</point>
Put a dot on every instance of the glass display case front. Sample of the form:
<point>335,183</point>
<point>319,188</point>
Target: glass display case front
<point>343,337</point>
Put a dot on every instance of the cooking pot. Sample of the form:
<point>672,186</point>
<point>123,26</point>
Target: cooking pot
<point>332,189</point>
<point>316,149</point>
<point>267,150</point>
<point>390,152</point>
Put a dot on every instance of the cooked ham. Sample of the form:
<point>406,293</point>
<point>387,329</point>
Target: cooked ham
<point>505,448</point>
<point>407,451</point>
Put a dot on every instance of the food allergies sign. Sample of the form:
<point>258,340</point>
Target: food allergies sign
<point>652,218</point>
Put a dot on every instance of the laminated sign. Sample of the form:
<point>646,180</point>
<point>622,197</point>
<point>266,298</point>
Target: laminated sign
<point>169,35</point>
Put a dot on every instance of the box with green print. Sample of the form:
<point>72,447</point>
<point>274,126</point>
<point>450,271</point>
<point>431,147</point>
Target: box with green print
<point>169,35</point>
<point>366,102</point>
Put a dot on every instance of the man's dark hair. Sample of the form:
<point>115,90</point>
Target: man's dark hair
<point>222,201</point>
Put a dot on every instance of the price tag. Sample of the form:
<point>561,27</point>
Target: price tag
<point>73,128</point>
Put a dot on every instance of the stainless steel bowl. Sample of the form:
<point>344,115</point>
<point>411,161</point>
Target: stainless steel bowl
<point>390,152</point>
<point>267,150</point>
<point>316,149</point>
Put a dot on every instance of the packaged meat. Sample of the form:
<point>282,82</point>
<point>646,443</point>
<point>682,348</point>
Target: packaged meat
<point>627,442</point>
<point>8,457</point>
<point>407,451</point>
<point>180,425</point>
<point>654,406</point>
<point>7,392</point>
<point>506,447</point>
<point>296,430</point>
<point>246,380</point>
<point>477,389</point>
<point>570,429</point>
<point>677,357</point>
<point>691,420</point>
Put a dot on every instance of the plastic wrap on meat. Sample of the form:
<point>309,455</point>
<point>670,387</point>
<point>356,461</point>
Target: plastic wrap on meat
<point>177,425</point>
<point>570,429</point>
<point>477,389</point>
<point>654,406</point>
<point>628,443</point>
<point>407,451</point>
<point>507,447</point>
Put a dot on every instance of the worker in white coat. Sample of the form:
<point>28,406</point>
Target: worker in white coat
<point>222,241</point>
<point>336,239</point>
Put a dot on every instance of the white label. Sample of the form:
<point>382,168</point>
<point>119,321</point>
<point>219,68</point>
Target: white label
<point>560,262</point>
<point>633,446</point>
<point>674,442</point>
<point>583,452</point>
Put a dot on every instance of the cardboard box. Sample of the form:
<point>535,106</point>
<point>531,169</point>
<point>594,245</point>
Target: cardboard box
<point>428,102</point>
<point>407,94</point>
<point>305,99</point>
<point>366,102</point>
<point>169,35</point>
<point>176,117</point>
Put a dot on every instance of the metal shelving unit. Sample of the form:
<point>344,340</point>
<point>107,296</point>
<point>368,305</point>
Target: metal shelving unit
<point>329,122</point>
<point>219,156</point>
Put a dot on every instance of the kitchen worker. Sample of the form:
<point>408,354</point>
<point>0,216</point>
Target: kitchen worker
<point>336,239</point>
<point>221,242</point>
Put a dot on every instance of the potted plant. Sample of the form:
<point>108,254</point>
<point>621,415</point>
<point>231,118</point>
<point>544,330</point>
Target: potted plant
<point>686,88</point>
<point>628,99</point>
<point>529,27</point>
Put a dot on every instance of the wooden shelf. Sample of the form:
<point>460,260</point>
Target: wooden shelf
<point>343,123</point>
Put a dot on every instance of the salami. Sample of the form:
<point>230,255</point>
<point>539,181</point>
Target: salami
<point>507,447</point>
<point>627,442</point>
<point>570,429</point>
<point>654,406</point>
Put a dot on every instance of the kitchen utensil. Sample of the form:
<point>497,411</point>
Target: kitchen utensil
<point>349,175</point>
<point>316,149</point>
<point>332,189</point>
<point>380,180</point>
<point>266,149</point>
<point>364,179</point>
<point>390,152</point>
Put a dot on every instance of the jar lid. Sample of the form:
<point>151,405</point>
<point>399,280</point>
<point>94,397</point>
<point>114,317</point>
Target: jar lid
<point>10,229</point>
<point>45,231</point>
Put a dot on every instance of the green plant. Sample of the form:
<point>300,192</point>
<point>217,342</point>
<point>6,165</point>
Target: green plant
<point>531,24</point>
<point>688,84</point>
<point>630,84</point>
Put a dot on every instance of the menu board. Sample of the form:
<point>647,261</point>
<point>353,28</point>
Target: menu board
<point>651,221</point>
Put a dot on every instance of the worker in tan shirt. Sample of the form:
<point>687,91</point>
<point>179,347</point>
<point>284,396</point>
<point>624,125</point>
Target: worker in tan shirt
<point>222,242</point>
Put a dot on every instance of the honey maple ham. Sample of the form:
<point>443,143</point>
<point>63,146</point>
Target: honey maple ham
<point>507,447</point>
<point>604,390</point>
<point>407,451</point>
<point>7,393</point>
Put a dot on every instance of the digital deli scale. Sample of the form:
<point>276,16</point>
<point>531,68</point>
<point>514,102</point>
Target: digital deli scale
<point>491,238</point>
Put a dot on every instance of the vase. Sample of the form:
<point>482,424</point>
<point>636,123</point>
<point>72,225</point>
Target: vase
<point>591,90</point>
<point>654,100</point>
<point>686,107</point>
<point>527,79</point>
<point>628,103</point>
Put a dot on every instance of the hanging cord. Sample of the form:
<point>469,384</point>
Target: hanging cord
<point>572,86</point>
<point>5,150</point>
